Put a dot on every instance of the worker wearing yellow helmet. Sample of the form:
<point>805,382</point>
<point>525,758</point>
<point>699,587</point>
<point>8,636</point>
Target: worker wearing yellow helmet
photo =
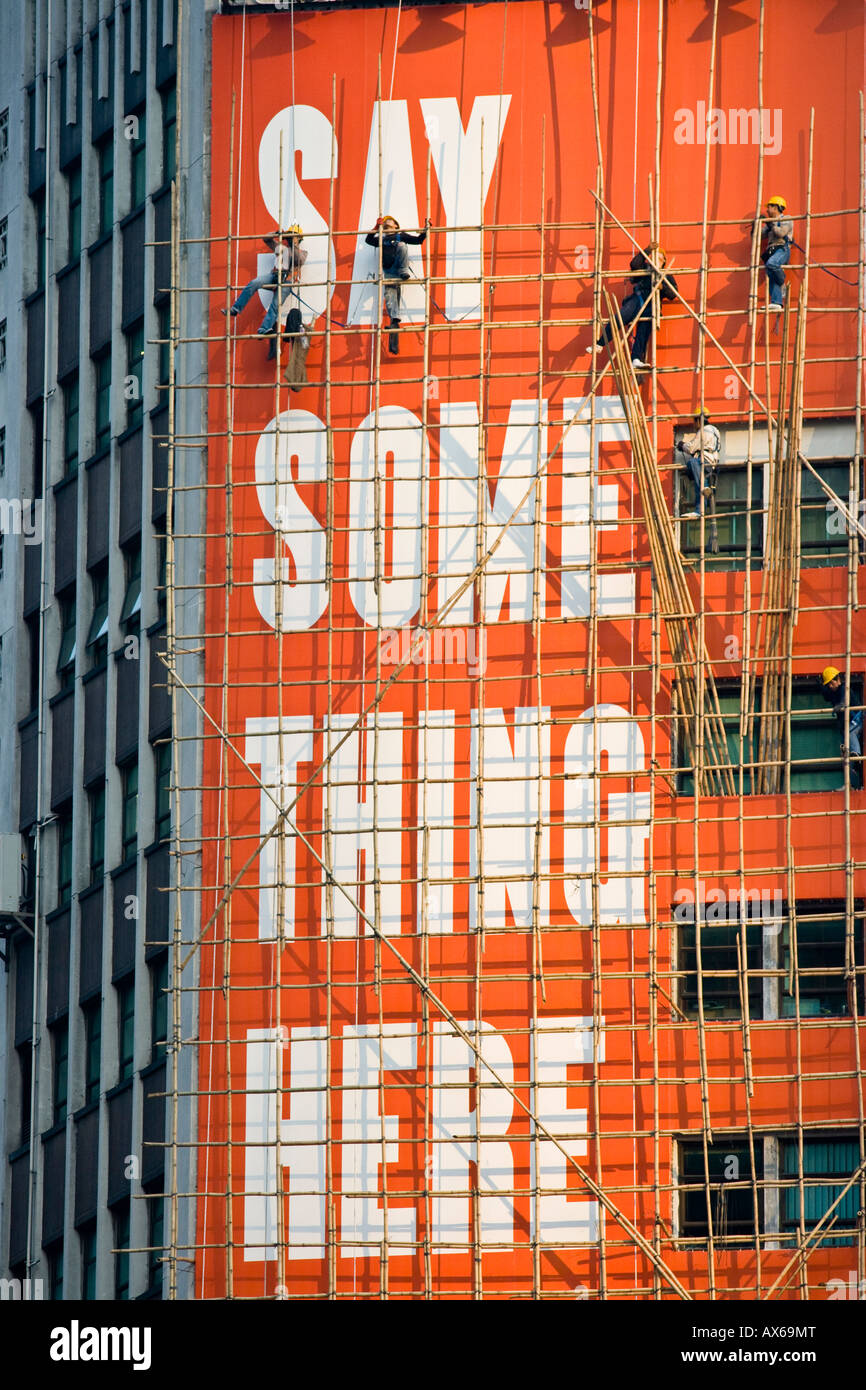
<point>779,233</point>
<point>288,259</point>
<point>834,692</point>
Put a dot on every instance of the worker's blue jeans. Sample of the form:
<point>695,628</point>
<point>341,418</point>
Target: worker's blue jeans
<point>775,273</point>
<point>855,746</point>
<point>629,310</point>
<point>262,282</point>
<point>696,473</point>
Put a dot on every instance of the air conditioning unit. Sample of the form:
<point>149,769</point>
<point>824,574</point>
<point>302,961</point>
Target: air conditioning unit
<point>10,873</point>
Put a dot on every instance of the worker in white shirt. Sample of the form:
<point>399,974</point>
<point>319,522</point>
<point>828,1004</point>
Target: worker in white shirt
<point>288,258</point>
<point>700,454</point>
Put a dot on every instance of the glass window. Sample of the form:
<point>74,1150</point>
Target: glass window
<point>64,857</point>
<point>55,1273</point>
<point>105,157</point>
<point>821,968</point>
<point>39,209</point>
<point>73,188</point>
<point>102,367</point>
<point>159,1005</point>
<point>66,655</point>
<point>132,387</point>
<point>138,164</point>
<point>129,818</point>
<point>2,451</point>
<point>4,242</point>
<point>92,1051</point>
<point>162,757</point>
<point>169,131</point>
<point>130,613</point>
<point>735,520</point>
<point>4,133</point>
<point>816,754</point>
<point>823,1160</point>
<point>97,833</point>
<point>155,1239</point>
<point>126,1028</point>
<point>720,970</point>
<point>70,425</point>
<point>33,643</point>
<point>729,704</point>
<point>161,561</point>
<point>97,636</point>
<point>823,530</point>
<point>2,344</point>
<point>731,1198</point>
<point>87,1237</point>
<point>60,1067</point>
<point>163,315</point>
<point>25,1077</point>
<point>121,1252</point>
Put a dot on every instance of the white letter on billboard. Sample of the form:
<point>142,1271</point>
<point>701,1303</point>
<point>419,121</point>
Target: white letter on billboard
<point>436,818</point>
<point>509,569</point>
<point>604,729</point>
<point>616,592</point>
<point>511,816</point>
<point>349,801</point>
<point>306,131</point>
<point>384,601</point>
<point>457,530</point>
<point>300,438</point>
<point>459,160</point>
<point>362,1215</point>
<point>562,1043</point>
<point>303,1134</point>
<point>277,746</point>
<point>398,201</point>
<point>459,1138</point>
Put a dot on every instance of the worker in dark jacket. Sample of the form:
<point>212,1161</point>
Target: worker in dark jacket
<point>779,233</point>
<point>834,692</point>
<point>646,268</point>
<point>395,267</point>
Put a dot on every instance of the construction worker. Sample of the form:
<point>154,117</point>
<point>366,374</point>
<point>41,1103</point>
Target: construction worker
<point>779,233</point>
<point>395,267</point>
<point>700,454</point>
<point>646,266</point>
<point>288,258</point>
<point>834,692</point>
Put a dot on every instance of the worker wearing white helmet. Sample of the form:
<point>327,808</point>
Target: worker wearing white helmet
<point>779,232</point>
<point>288,258</point>
<point>834,692</point>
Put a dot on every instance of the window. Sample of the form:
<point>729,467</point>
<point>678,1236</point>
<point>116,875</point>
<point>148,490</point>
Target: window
<point>33,644</point>
<point>55,1273</point>
<point>4,242</point>
<point>169,131</point>
<point>64,857</point>
<point>775,976</point>
<point>138,163</point>
<point>731,1198</point>
<point>105,159</point>
<point>162,757</point>
<point>729,704</point>
<point>73,189</point>
<point>159,1005</point>
<point>87,1238</point>
<point>97,636</point>
<point>66,655</point>
<point>161,561</point>
<point>823,1161</point>
<point>121,1252</point>
<point>735,520</point>
<point>39,209</point>
<point>823,540</point>
<point>60,1069</point>
<point>37,444</point>
<point>155,1239</point>
<point>132,387</point>
<point>130,613</point>
<point>2,451</point>
<point>4,134</point>
<point>2,344</point>
<point>126,1028</point>
<point>25,1077</point>
<point>102,367</point>
<point>96,799</point>
<point>163,317</point>
<point>92,1050</point>
<point>70,425</point>
<point>129,812</point>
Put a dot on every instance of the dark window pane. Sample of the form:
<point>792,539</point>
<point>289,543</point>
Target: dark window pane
<point>60,1064</point>
<point>70,425</point>
<point>87,1238</point>
<point>97,833</point>
<point>731,1199</point>
<point>106,185</point>
<point>93,1050</point>
<point>64,857</point>
<point>103,401</point>
<point>162,755</point>
<point>159,1005</point>
<point>126,1027</point>
<point>73,184</point>
<point>169,129</point>
<point>121,1247</point>
<point>132,387</point>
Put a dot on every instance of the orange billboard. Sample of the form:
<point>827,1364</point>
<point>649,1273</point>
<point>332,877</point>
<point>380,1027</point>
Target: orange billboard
<point>434,1059</point>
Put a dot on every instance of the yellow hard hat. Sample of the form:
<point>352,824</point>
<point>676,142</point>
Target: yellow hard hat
<point>828,674</point>
<point>295,230</point>
<point>778,201</point>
